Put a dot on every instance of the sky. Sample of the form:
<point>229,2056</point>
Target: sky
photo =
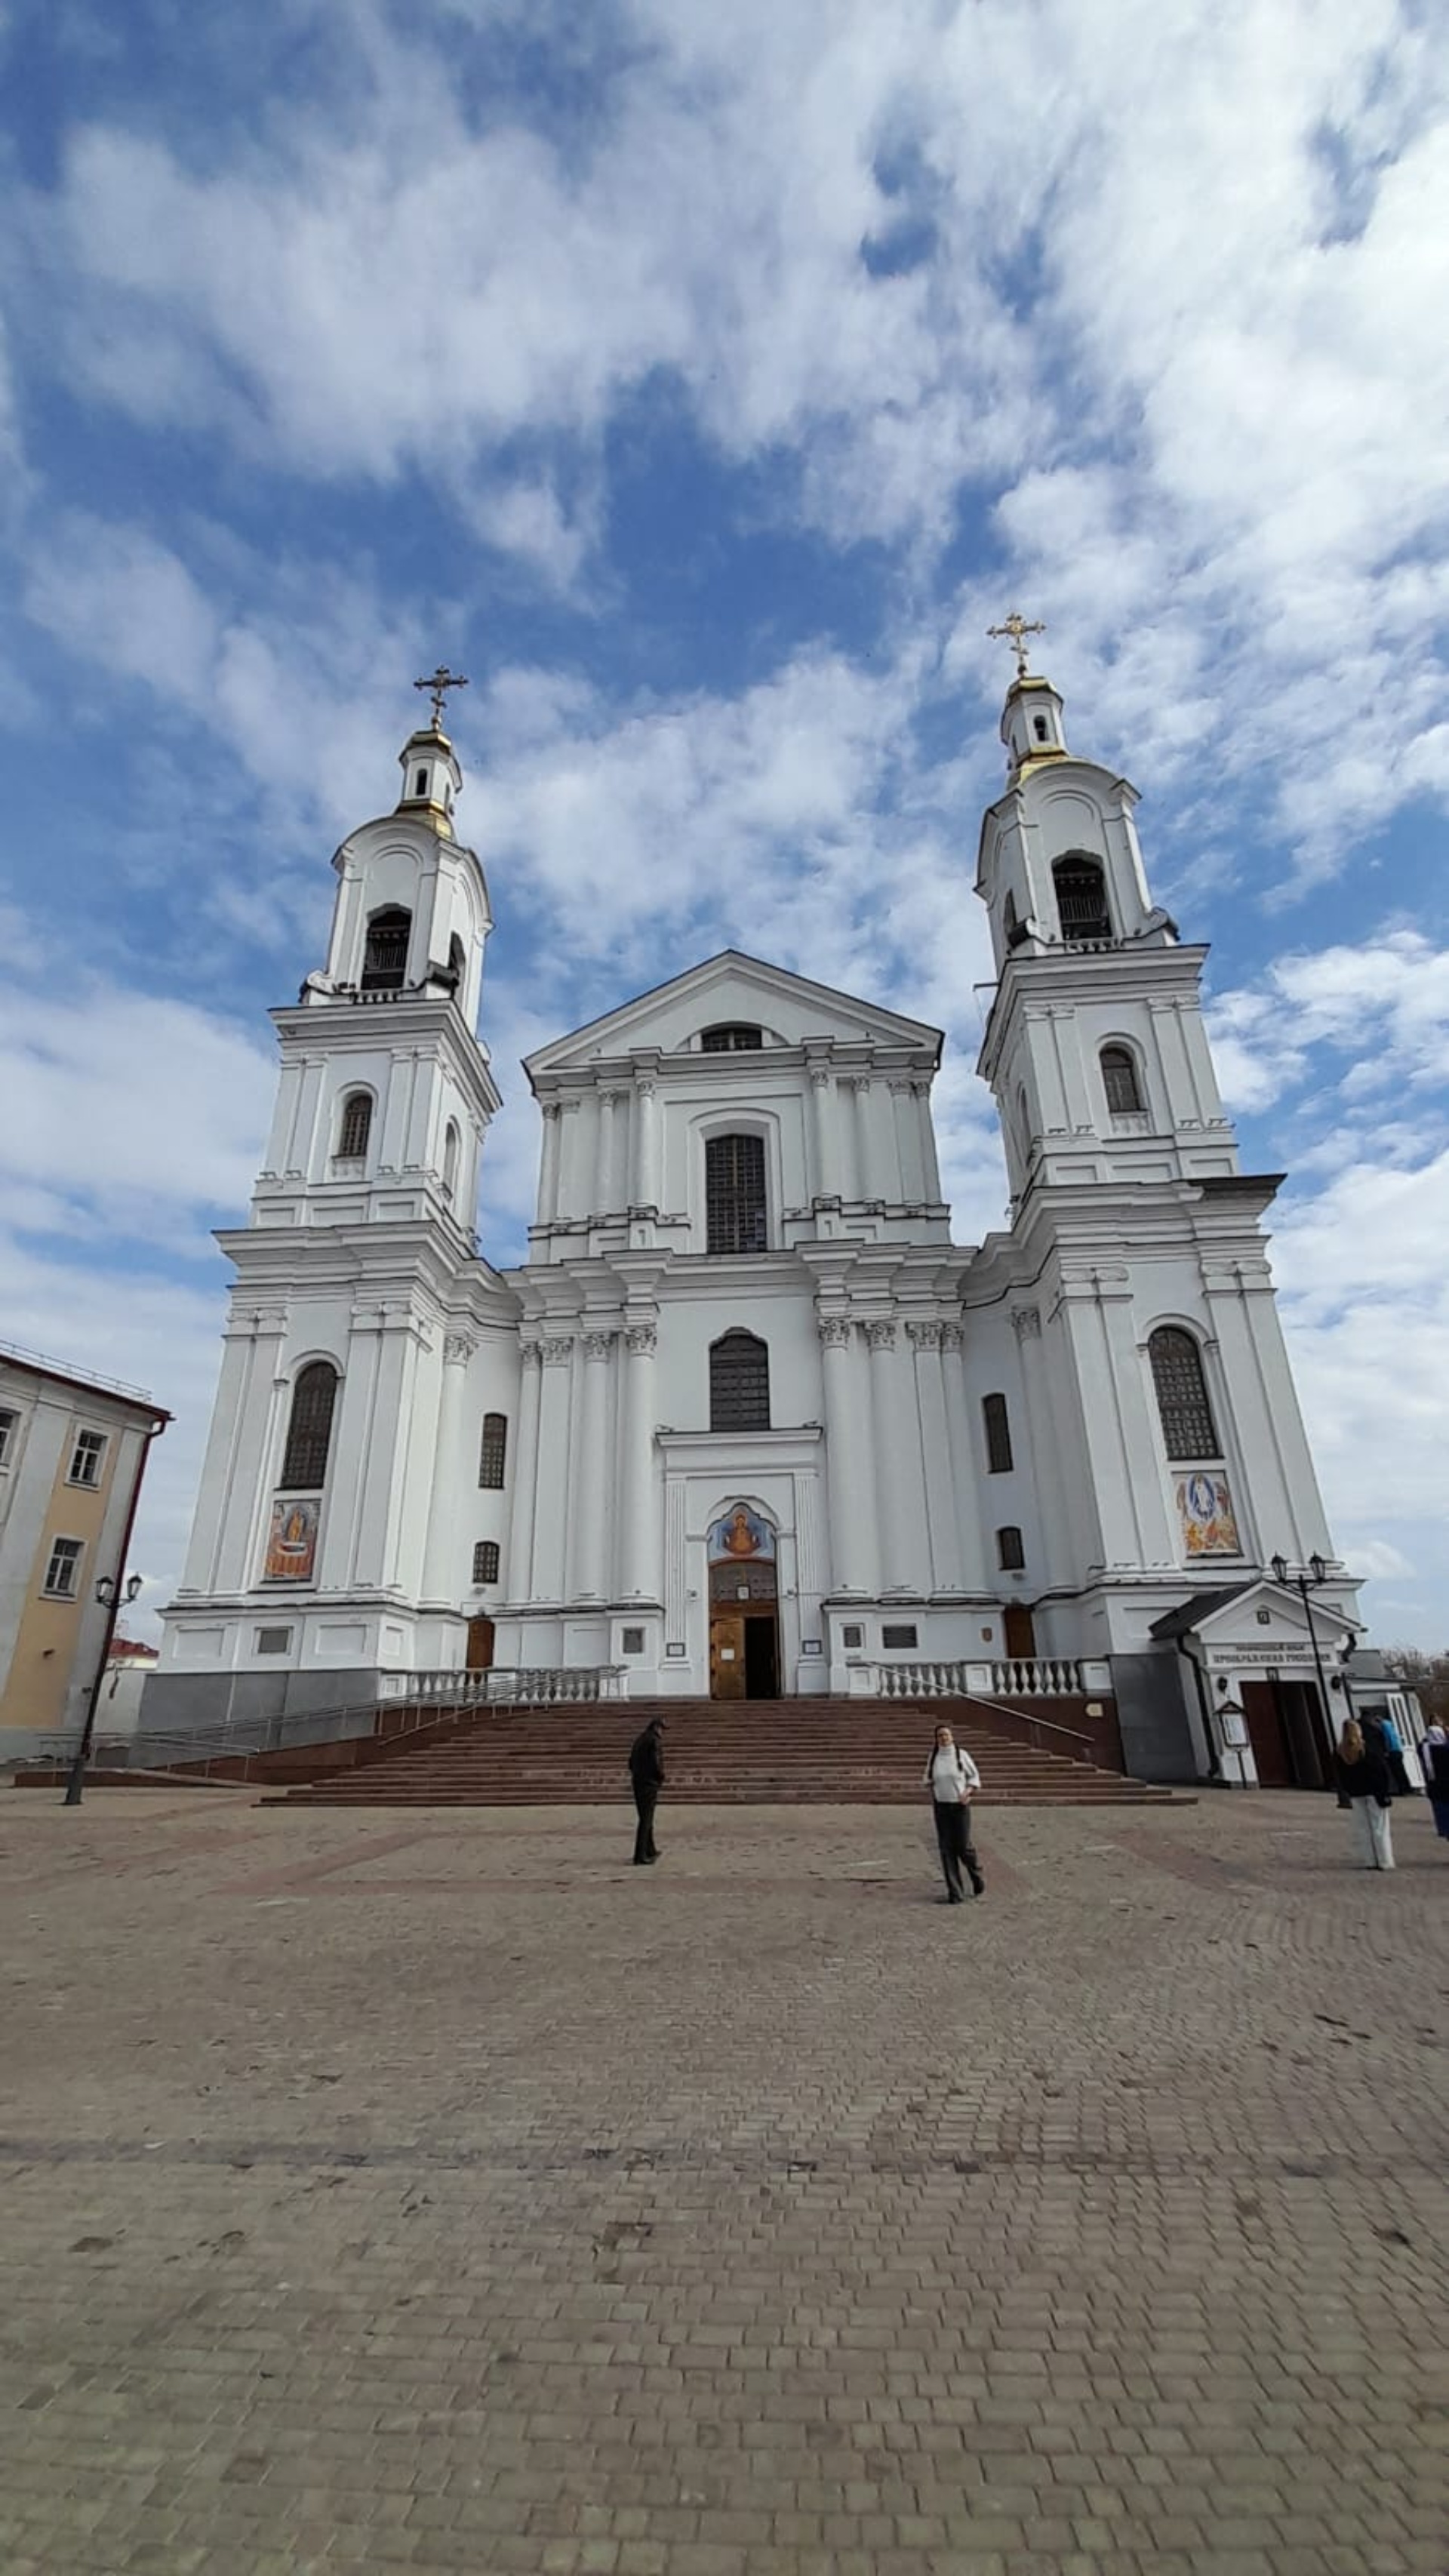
<point>704,382</point>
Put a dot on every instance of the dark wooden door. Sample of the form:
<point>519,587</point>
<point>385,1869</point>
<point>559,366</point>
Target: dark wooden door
<point>1019,1630</point>
<point>727,1655</point>
<point>480,1645</point>
<point>1265,1734</point>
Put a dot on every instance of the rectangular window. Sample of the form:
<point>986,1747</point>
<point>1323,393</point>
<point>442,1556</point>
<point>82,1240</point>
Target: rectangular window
<point>63,1572</point>
<point>631,1641</point>
<point>852,1637</point>
<point>485,1561</point>
<point>734,1193</point>
<point>8,1424</point>
<point>274,1641</point>
<point>85,1458</point>
<point>493,1456</point>
<point>898,1636</point>
<point>998,1434</point>
<point>1010,1554</point>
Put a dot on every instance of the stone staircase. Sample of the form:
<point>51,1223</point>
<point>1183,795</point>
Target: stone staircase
<point>745,1752</point>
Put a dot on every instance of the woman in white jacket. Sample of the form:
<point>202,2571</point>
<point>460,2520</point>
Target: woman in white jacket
<point>953,1780</point>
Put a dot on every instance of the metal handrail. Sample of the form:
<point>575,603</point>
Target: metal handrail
<point>1026,1717</point>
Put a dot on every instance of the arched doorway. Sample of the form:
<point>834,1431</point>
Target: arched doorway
<point>744,1616</point>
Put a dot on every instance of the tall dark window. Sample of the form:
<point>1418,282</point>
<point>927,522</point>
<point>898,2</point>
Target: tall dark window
<point>734,1193</point>
<point>485,1561</point>
<point>1010,1554</point>
<point>730,1038</point>
<point>1119,1079</point>
<point>356,1124</point>
<point>739,1383</point>
<point>1182,1396</point>
<point>309,1433</point>
<point>385,959</point>
<point>998,1434</point>
<point>493,1456</point>
<point>1081,897</point>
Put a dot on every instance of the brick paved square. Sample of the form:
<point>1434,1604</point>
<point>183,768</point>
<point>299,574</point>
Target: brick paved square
<point>460,2199</point>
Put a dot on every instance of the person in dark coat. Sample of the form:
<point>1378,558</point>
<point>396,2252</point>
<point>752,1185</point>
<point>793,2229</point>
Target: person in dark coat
<point>1434,1755</point>
<point>646,1772</point>
<point>1363,1778</point>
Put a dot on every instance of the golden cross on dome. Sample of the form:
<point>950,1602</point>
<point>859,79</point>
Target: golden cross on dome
<point>1016,629</point>
<point>442,680</point>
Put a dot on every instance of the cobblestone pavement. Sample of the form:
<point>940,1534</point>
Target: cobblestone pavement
<point>442,2194</point>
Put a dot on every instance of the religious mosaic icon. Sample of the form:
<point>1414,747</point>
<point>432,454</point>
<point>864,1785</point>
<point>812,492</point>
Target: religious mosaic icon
<point>292,1546</point>
<point>1205,1514</point>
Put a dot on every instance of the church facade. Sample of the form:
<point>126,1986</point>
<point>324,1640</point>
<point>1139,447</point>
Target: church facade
<point>747,1421</point>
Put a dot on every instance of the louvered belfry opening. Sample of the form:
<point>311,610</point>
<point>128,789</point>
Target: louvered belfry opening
<point>1081,890</point>
<point>385,960</point>
<point>734,1193</point>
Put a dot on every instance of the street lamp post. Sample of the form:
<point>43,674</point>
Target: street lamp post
<point>111,1593</point>
<point>1317,1569</point>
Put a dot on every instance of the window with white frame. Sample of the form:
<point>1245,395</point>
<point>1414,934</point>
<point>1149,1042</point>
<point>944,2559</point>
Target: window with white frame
<point>485,1561</point>
<point>86,1458</point>
<point>9,1425</point>
<point>62,1575</point>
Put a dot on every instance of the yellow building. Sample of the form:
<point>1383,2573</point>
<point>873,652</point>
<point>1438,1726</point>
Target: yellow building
<point>73,1450</point>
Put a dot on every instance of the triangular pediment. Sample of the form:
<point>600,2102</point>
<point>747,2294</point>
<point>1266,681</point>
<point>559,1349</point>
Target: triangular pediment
<point>1257,1617</point>
<point>791,1011</point>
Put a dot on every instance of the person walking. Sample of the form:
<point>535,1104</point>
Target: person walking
<point>953,1780</point>
<point>646,1773</point>
<point>1399,1781</point>
<point>1434,1755</point>
<point>1363,1777</point>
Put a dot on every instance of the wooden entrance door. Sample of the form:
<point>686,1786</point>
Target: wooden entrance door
<point>1018,1632</point>
<point>727,1654</point>
<point>480,1645</point>
<point>1271,1756</point>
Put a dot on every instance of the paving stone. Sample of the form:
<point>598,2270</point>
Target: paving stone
<point>474,2207</point>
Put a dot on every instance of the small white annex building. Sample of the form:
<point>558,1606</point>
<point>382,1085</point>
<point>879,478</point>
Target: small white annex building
<point>747,1421</point>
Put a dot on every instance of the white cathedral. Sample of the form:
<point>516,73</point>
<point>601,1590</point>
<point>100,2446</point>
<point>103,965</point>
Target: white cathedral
<point>747,1422</point>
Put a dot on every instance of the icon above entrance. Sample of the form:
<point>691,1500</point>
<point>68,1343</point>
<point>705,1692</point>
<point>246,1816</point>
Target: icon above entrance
<point>744,1619</point>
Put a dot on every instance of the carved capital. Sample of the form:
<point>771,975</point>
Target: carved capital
<point>925,1336</point>
<point>642,1341</point>
<point>530,1354</point>
<point>834,1331</point>
<point>1026,1323</point>
<point>820,1077</point>
<point>880,1332</point>
<point>901,1085</point>
<point>952,1337</point>
<point>597,1346</point>
<point>610,1099</point>
<point>646,1086</point>
<point>551,1109</point>
<point>556,1350</point>
<point>921,1085</point>
<point>458,1349</point>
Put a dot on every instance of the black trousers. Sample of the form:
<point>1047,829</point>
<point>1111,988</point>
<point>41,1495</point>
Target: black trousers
<point>645,1801</point>
<point>958,1852</point>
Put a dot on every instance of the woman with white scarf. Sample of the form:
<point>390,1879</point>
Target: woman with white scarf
<point>953,1780</point>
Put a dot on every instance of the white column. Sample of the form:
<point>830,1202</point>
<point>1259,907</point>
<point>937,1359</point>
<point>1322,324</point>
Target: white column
<point>573,1191</point>
<point>964,1478</point>
<point>302,1154</point>
<point>397,1109</point>
<point>942,1530</point>
<point>884,1155</point>
<point>548,1164</point>
<point>926,1136</point>
<point>865,1182</point>
<point>640,1498</point>
<point>551,1517</point>
<point>1282,1507</point>
<point>644,1190</point>
<point>590,1484</point>
<point>895,1431</point>
<point>445,1566</point>
<point>849,1476</point>
<point>610,1196</point>
<point>908,1142</point>
<point>1129,1512</point>
<point>384,1477</point>
<point>238,1482</point>
<point>847,1095</point>
<point>1185,1105</point>
<point>825,1178</point>
<point>525,1478</point>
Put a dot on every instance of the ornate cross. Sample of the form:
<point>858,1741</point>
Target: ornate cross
<point>1016,629</point>
<point>442,680</point>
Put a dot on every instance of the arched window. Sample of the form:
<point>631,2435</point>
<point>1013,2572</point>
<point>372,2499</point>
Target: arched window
<point>1182,1396</point>
<point>998,1435</point>
<point>385,959</point>
<point>734,1193</point>
<point>450,1158</point>
<point>730,1037</point>
<point>309,1433</point>
<point>1081,897</point>
<point>493,1456</point>
<point>739,1383</point>
<point>356,1125</point>
<point>1119,1078</point>
<point>1010,1554</point>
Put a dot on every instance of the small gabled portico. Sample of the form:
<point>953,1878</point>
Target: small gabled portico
<point>1268,1682</point>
